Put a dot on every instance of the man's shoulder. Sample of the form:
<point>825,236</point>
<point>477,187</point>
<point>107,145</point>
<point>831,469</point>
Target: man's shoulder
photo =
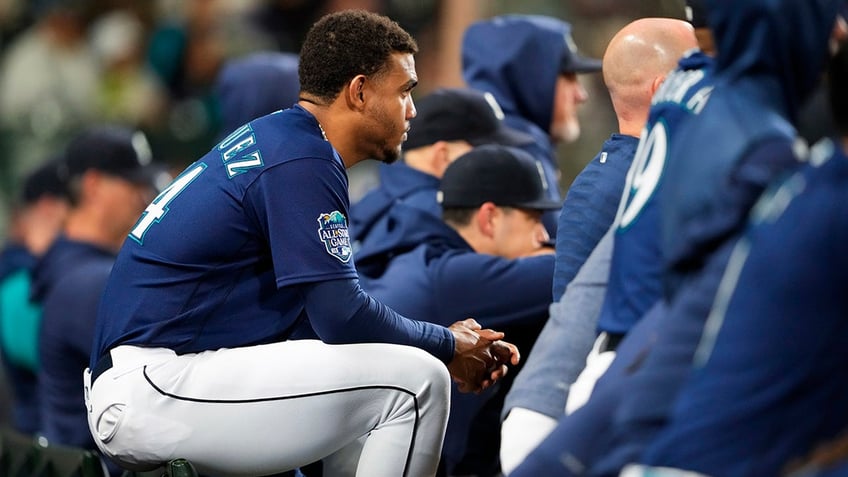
<point>277,138</point>
<point>82,278</point>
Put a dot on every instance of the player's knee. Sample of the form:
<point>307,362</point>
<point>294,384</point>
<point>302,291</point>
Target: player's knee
<point>427,374</point>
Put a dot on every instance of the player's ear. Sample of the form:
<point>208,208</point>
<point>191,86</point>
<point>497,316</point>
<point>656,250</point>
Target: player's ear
<point>355,93</point>
<point>658,81</point>
<point>485,218</point>
<point>440,157</point>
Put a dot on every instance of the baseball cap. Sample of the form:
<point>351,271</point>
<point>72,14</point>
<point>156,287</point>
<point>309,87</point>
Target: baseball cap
<point>572,61</point>
<point>46,180</point>
<point>452,114</point>
<point>113,150</point>
<point>696,13</point>
<point>507,176</point>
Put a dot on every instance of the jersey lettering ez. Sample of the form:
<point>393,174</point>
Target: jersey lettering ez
<point>237,142</point>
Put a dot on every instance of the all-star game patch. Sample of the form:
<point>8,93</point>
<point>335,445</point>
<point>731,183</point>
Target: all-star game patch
<point>332,230</point>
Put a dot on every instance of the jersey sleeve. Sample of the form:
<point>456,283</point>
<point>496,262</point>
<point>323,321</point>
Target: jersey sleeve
<point>340,312</point>
<point>302,207</point>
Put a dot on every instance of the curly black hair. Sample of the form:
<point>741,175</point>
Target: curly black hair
<point>344,44</point>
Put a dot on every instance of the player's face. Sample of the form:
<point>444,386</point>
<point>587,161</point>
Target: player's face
<point>519,233</point>
<point>568,96</point>
<point>392,107</point>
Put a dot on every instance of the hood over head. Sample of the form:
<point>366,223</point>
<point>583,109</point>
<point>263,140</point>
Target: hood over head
<point>517,58</point>
<point>786,39</point>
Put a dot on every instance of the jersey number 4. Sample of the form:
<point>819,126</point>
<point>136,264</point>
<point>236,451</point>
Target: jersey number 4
<point>159,207</point>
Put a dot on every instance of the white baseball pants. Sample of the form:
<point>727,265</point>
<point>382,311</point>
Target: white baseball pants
<point>265,409</point>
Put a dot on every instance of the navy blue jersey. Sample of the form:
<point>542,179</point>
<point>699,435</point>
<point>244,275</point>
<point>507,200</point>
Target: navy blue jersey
<point>635,279</point>
<point>216,259</point>
<point>770,366</point>
<point>590,207</point>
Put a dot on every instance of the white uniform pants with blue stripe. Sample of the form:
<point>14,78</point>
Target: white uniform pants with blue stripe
<point>265,409</point>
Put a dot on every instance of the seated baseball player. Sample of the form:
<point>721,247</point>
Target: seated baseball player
<point>233,330</point>
<point>485,258</point>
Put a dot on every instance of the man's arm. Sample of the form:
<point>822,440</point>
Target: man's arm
<point>341,312</point>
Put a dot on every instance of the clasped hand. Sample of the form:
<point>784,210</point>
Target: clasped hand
<point>481,357</point>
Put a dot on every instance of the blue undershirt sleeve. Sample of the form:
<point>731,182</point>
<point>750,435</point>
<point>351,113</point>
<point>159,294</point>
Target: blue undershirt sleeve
<point>341,312</point>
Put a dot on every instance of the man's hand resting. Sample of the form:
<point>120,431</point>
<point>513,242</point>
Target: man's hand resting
<point>481,357</point>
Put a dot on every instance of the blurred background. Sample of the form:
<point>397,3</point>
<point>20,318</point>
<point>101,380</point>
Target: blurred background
<point>65,64</point>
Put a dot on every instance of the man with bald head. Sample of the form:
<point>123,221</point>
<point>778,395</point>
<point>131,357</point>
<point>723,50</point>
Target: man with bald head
<point>634,57</point>
<point>538,396</point>
<point>635,63</point>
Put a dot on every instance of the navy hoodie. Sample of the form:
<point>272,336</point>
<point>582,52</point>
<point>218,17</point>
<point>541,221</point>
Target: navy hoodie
<point>399,183</point>
<point>771,55</point>
<point>516,58</point>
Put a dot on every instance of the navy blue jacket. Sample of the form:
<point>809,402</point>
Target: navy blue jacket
<point>399,183</point>
<point>590,207</point>
<point>520,69</point>
<point>434,275</point>
<point>773,53</point>
<point>68,281</point>
<point>770,367</point>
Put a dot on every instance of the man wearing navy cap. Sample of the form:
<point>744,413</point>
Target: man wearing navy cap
<point>531,65</point>
<point>449,123</point>
<point>484,258</point>
<point>110,180</point>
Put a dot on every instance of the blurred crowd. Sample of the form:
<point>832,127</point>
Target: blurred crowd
<point>153,65</point>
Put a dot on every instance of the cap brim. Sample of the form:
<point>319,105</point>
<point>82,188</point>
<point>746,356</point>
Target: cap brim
<point>581,64</point>
<point>544,204</point>
<point>504,136</point>
<point>153,175</point>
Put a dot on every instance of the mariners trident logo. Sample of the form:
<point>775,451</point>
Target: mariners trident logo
<point>332,230</point>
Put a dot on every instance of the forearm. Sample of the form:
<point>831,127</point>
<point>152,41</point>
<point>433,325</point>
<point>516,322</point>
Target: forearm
<point>341,312</point>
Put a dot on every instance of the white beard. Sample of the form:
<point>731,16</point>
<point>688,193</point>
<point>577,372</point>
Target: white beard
<point>567,132</point>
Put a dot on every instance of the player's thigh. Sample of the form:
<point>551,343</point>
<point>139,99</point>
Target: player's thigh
<point>237,403</point>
